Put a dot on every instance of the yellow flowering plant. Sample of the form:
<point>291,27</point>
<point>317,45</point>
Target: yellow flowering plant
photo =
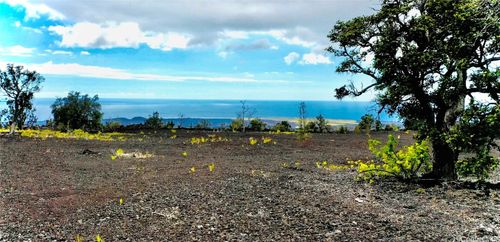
<point>408,163</point>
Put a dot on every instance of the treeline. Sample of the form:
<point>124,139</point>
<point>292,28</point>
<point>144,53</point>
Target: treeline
<point>81,111</point>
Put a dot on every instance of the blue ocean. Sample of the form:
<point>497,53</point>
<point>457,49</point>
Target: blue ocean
<point>129,111</point>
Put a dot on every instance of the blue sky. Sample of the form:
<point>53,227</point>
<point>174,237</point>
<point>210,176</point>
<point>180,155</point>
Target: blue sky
<point>253,50</point>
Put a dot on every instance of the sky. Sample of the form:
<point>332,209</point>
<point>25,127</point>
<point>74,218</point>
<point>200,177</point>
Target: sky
<point>177,49</point>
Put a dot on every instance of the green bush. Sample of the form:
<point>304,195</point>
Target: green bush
<point>283,126</point>
<point>408,163</point>
<point>321,124</point>
<point>237,124</point>
<point>366,122</point>
<point>472,136</point>
<point>342,130</point>
<point>154,121</point>
<point>112,126</point>
<point>257,124</point>
<point>77,112</point>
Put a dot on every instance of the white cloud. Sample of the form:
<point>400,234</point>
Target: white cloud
<point>59,52</point>
<point>314,59</point>
<point>16,50</point>
<point>206,20</point>
<point>84,53</point>
<point>35,10</point>
<point>74,69</point>
<point>291,58</point>
<point>223,54</point>
<point>110,35</point>
<point>17,24</point>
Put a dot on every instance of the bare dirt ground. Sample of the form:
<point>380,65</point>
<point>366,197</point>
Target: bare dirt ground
<point>51,191</point>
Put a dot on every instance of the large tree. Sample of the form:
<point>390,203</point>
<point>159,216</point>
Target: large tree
<point>77,112</point>
<point>19,86</point>
<point>425,59</point>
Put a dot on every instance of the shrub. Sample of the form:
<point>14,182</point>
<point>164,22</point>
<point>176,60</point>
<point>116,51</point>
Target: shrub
<point>237,124</point>
<point>170,124</point>
<point>257,124</point>
<point>112,126</point>
<point>311,126</point>
<point>283,126</point>
<point>77,112</point>
<point>321,124</point>
<point>203,124</point>
<point>342,130</point>
<point>408,163</point>
<point>154,121</point>
<point>366,122</point>
<point>378,125</point>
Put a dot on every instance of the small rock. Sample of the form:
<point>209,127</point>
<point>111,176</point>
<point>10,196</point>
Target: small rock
<point>359,200</point>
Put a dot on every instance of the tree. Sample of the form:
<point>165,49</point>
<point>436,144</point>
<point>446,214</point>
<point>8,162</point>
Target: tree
<point>19,86</point>
<point>366,122</point>
<point>302,117</point>
<point>77,112</point>
<point>428,56</point>
<point>283,126</point>
<point>245,112</point>
<point>257,124</point>
<point>321,124</point>
<point>154,121</point>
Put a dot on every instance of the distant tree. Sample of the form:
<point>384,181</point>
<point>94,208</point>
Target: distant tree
<point>77,112</point>
<point>257,124</point>
<point>283,126</point>
<point>311,126</point>
<point>342,130</point>
<point>378,125</point>
<point>245,113</point>
<point>19,86</point>
<point>425,57</point>
<point>321,124</point>
<point>154,121</point>
<point>366,122</point>
<point>302,117</point>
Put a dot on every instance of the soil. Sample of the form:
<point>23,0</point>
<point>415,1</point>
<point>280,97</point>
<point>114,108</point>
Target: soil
<point>57,189</point>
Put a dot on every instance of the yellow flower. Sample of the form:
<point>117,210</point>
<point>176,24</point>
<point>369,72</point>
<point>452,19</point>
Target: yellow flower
<point>113,157</point>
<point>121,201</point>
<point>192,170</point>
<point>184,154</point>
<point>99,239</point>
<point>119,152</point>
<point>253,141</point>
<point>211,167</point>
<point>78,238</point>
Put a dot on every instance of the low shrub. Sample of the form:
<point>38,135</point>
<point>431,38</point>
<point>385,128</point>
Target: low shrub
<point>408,163</point>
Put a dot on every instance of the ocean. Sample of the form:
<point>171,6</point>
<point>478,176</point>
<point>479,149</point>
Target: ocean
<point>129,111</point>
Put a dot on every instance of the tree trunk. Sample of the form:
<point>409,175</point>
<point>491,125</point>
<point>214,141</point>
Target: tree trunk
<point>444,161</point>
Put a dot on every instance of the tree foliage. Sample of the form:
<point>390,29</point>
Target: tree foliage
<point>257,124</point>
<point>428,56</point>
<point>77,112</point>
<point>19,86</point>
<point>154,121</point>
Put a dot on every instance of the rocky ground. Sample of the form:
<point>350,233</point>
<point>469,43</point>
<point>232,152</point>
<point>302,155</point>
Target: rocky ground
<point>58,189</point>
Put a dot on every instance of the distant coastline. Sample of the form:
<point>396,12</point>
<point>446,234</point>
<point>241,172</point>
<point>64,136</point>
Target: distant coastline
<point>223,111</point>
